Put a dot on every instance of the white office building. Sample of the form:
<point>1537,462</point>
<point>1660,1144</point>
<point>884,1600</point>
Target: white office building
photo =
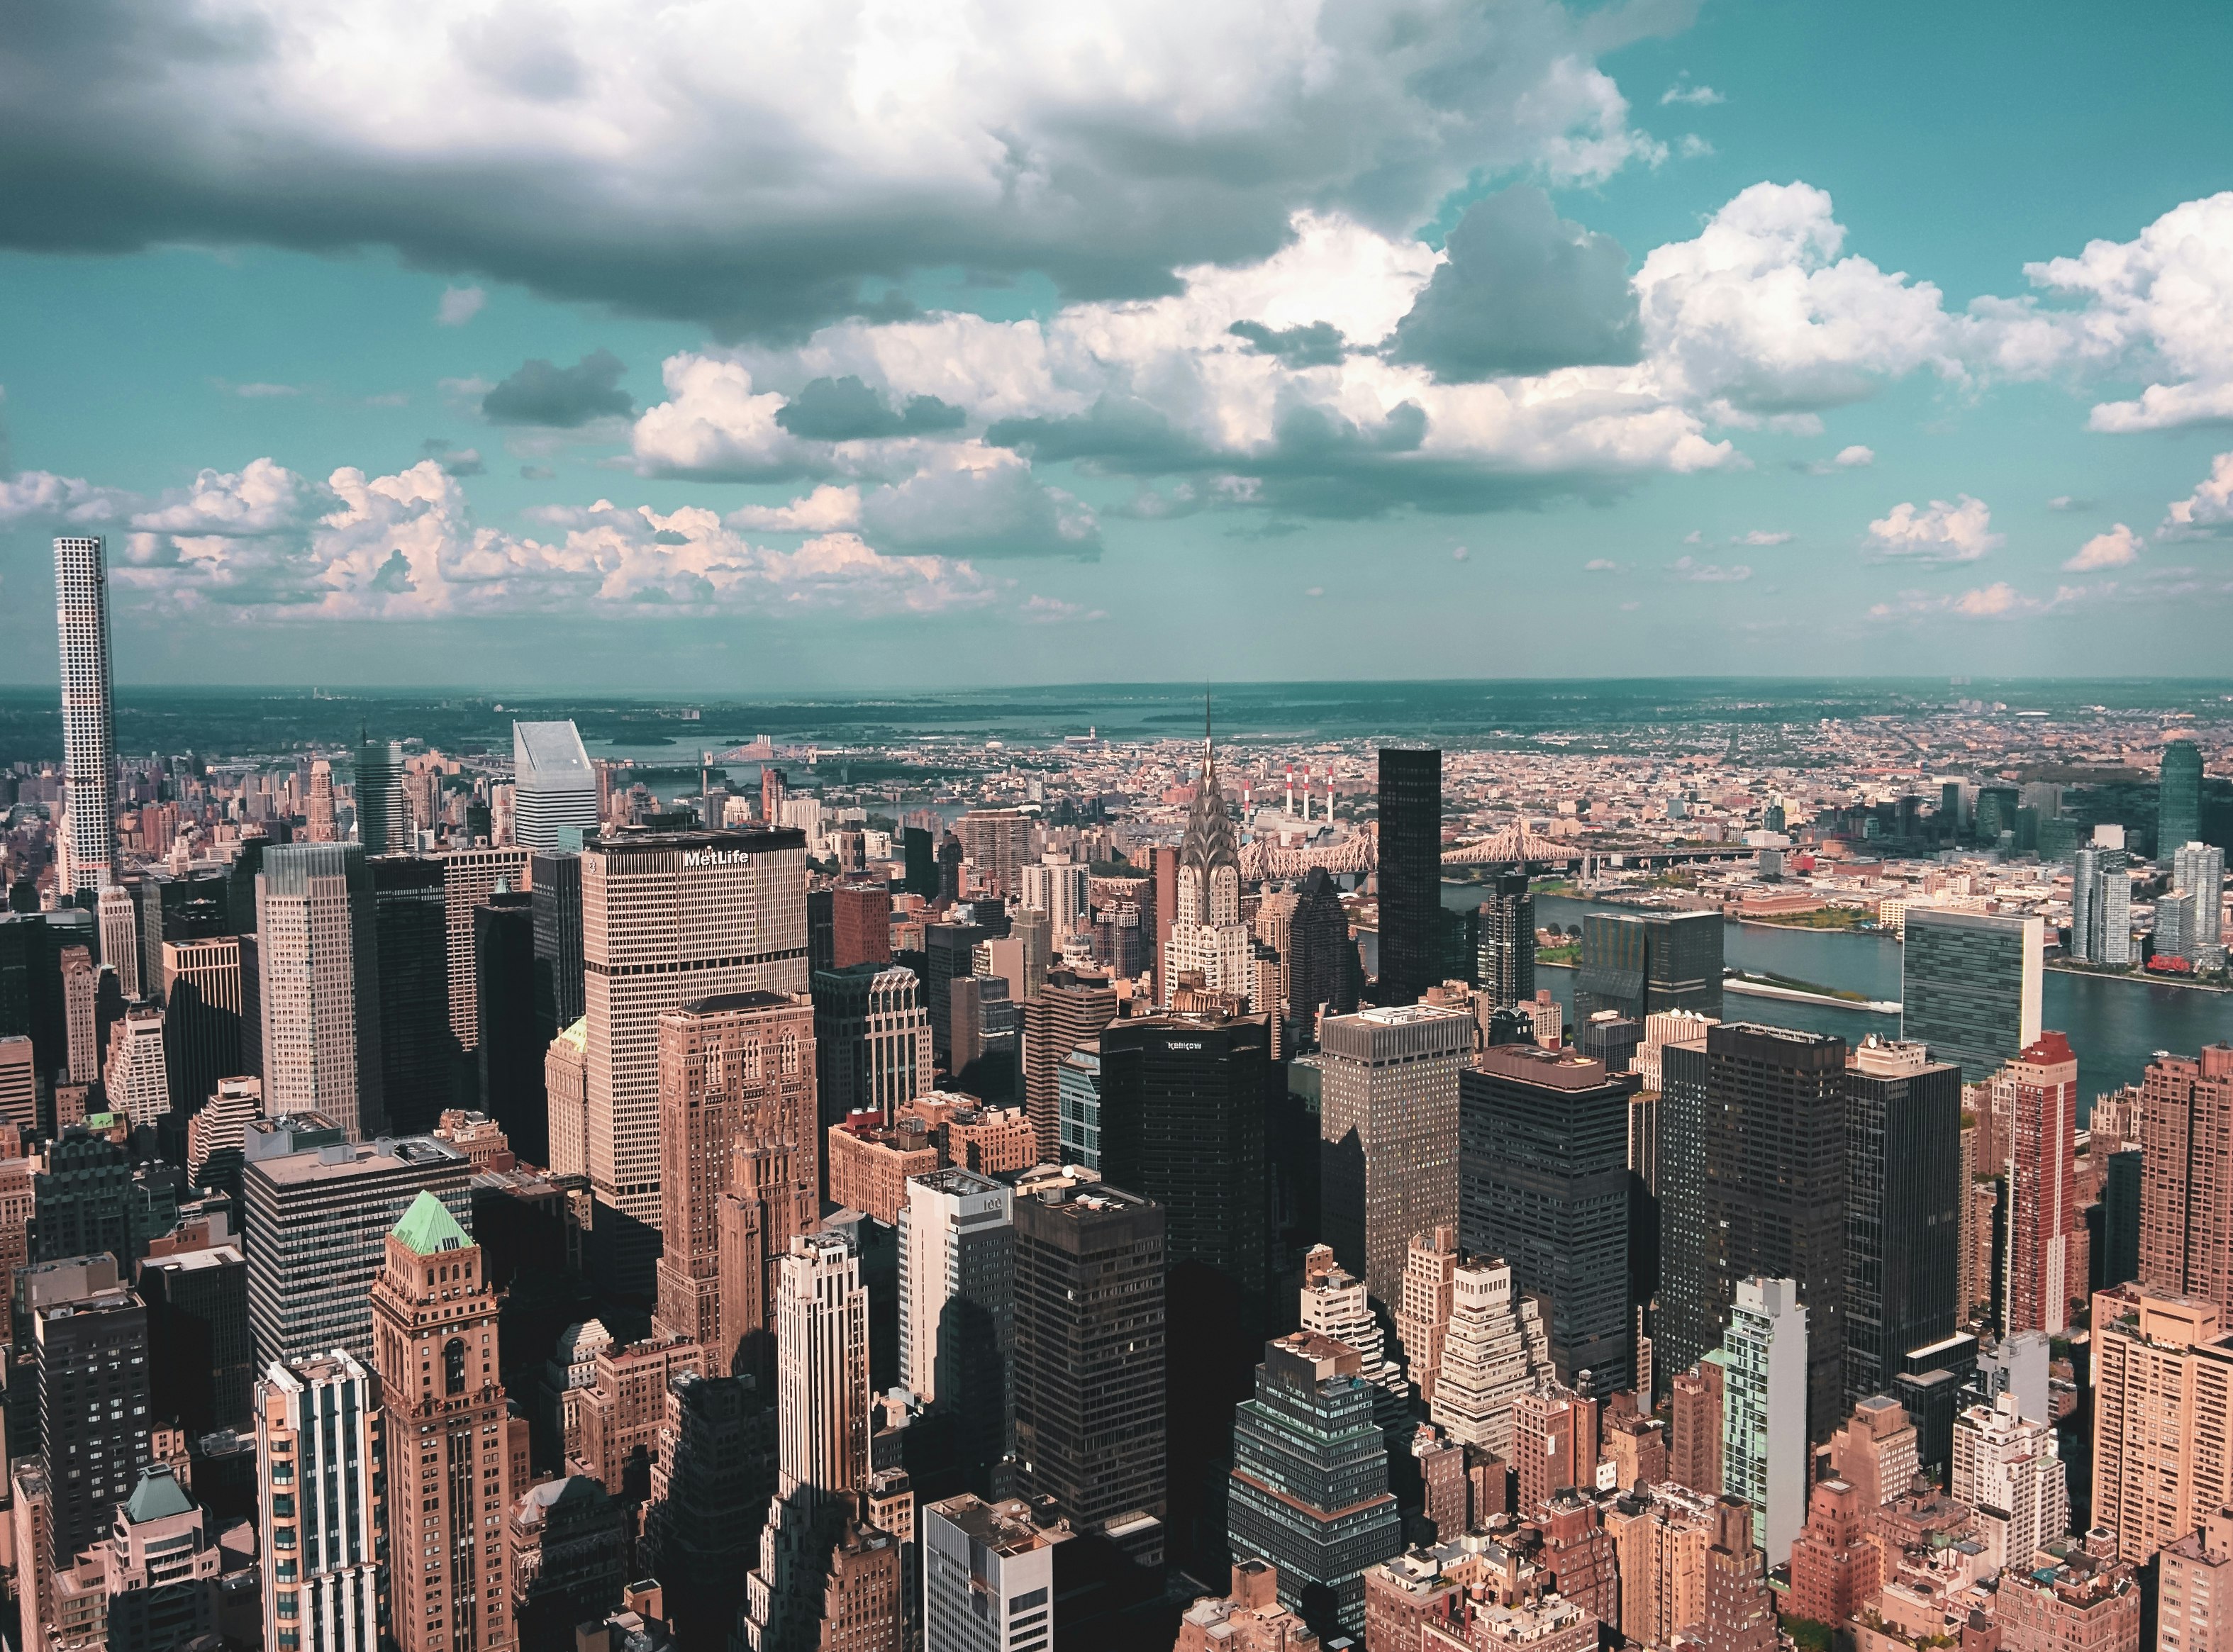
<point>1764,1455</point>
<point>554,787</point>
<point>88,729</point>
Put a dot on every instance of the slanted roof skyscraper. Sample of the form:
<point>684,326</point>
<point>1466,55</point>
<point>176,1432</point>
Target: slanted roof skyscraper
<point>554,786</point>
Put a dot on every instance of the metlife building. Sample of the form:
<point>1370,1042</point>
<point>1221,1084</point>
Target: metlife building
<point>668,917</point>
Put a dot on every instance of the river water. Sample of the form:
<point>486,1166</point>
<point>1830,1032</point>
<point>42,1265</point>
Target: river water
<point>2113,1025</point>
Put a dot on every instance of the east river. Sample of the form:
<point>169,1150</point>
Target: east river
<point>2113,1024</point>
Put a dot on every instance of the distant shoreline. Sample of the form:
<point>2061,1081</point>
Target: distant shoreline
<point>2139,977</point>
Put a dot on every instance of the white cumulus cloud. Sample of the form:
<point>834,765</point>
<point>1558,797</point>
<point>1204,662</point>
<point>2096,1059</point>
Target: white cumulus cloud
<point>2204,513</point>
<point>2115,549</point>
<point>1959,532</point>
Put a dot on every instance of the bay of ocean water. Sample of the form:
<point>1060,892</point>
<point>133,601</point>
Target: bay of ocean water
<point>2113,1025</point>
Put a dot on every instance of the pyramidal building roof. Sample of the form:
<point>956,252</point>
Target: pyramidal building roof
<point>1209,841</point>
<point>427,1227</point>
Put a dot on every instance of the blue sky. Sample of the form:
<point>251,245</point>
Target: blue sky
<point>919,346</point>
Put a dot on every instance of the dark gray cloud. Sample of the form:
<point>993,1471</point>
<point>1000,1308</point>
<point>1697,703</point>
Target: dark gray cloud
<point>566,398</point>
<point>1319,464</point>
<point>846,410</point>
<point>999,512</point>
<point>1525,291</point>
<point>1319,345</point>
<point>453,459</point>
<point>758,201</point>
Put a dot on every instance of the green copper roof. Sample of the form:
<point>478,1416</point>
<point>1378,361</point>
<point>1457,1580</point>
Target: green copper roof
<point>428,1226</point>
<point>158,1495</point>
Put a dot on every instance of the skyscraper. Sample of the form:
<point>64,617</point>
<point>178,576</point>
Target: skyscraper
<point>319,987</point>
<point>872,1041</point>
<point>316,1210</point>
<point>411,949</point>
<point>1310,1476</point>
<point>1766,1365</point>
<point>507,1057</point>
<point>1506,965</point>
<point>1388,1123</point>
<point>740,1064</point>
<point>1775,1149</point>
<point>1090,1351</point>
<point>957,1314</point>
<point>2186,1176</point>
<point>2101,905</point>
<point>89,1351</point>
<point>1207,940</point>
<point>1543,1183</point>
<point>988,1579</point>
<point>822,1408</point>
<point>470,876</point>
<point>1321,960</point>
<point>137,1078</point>
<point>2179,799</point>
<point>667,917</point>
<point>2037,1093</point>
<point>383,821</point>
<point>320,813</point>
<point>1493,1351</point>
<point>554,787</point>
<point>1641,964</point>
<point>1411,852</point>
<point>120,938</point>
<point>1183,1102</point>
<point>2006,1462</point>
<point>1970,986</point>
<point>319,1450</point>
<point>2198,873</point>
<point>88,734</point>
<point>449,1462</point>
<point>1069,1010</point>
<point>2163,1400</point>
<point>201,1016</point>
<point>554,882</point>
<point>1904,1194</point>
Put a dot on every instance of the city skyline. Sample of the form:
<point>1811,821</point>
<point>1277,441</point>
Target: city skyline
<point>784,1153</point>
<point>1613,307</point>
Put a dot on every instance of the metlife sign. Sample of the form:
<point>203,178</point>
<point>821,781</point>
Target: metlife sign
<point>693,857</point>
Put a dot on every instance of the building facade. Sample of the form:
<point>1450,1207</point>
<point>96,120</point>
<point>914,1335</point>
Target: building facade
<point>449,1461</point>
<point>1389,1128</point>
<point>88,727</point>
<point>667,917</point>
<point>1971,986</point>
<point>322,1504</point>
<point>318,987</point>
<point>1545,1184</point>
<point>1904,1195</point>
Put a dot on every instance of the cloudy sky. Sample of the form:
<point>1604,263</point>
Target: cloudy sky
<point>918,343</point>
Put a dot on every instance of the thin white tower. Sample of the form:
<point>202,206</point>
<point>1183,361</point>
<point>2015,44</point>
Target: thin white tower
<point>88,728</point>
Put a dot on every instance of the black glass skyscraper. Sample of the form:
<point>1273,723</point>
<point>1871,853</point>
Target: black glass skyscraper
<point>2179,800</point>
<point>1543,1183</point>
<point>1321,957</point>
<point>921,852</point>
<point>1903,1211</point>
<point>1184,1104</point>
<point>509,1059</point>
<point>554,877</point>
<point>410,923</point>
<point>1507,966</point>
<point>1642,965</point>
<point>1410,873</point>
<point>1774,1131</point>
